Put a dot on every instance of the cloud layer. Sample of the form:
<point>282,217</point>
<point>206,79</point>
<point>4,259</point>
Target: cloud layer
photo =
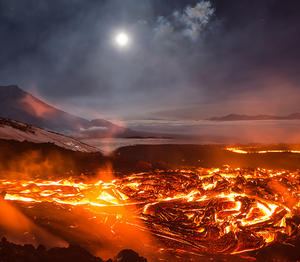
<point>188,59</point>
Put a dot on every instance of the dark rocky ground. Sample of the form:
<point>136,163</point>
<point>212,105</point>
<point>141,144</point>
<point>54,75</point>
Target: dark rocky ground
<point>50,160</point>
<point>46,160</point>
<point>10,252</point>
<point>190,156</point>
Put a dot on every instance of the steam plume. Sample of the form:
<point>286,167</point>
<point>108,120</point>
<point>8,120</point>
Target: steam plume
<point>187,23</point>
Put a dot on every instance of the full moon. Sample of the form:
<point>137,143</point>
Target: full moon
<point>122,39</point>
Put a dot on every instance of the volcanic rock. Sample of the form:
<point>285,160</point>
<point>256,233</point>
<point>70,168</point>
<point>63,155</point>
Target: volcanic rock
<point>128,255</point>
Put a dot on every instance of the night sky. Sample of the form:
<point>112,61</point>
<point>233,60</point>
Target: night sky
<point>185,59</point>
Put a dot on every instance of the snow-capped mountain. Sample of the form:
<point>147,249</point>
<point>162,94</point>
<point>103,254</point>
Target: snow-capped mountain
<point>14,130</point>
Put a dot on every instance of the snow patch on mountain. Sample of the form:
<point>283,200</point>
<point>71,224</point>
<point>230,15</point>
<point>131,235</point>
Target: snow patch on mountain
<point>14,130</point>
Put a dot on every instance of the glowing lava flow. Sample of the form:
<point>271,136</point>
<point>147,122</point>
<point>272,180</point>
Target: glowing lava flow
<point>245,151</point>
<point>225,211</point>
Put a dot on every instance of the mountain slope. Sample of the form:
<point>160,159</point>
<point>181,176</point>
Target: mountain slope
<point>19,105</point>
<point>237,117</point>
<point>13,130</point>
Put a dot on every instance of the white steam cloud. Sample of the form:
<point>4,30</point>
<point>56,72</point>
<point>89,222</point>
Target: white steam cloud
<point>188,23</point>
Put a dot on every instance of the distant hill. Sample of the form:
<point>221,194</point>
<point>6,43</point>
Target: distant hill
<point>237,117</point>
<point>19,105</point>
<point>18,131</point>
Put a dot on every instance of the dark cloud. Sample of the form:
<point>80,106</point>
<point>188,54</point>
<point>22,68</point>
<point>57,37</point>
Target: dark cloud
<point>187,58</point>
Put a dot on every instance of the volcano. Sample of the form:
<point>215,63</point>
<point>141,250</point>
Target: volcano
<point>16,104</point>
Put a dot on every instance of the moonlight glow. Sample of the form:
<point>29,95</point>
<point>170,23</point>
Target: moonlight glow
<point>122,39</point>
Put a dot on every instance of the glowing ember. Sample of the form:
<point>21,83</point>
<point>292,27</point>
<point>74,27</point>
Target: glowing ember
<point>225,211</point>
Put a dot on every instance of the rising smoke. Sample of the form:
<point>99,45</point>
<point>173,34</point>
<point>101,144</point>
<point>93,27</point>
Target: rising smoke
<point>187,23</point>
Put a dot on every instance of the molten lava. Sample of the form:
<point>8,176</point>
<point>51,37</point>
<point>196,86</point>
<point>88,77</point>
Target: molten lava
<point>257,151</point>
<point>220,211</point>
